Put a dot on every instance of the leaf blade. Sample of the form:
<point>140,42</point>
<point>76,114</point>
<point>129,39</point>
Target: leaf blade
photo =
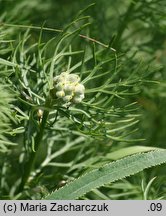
<point>109,173</point>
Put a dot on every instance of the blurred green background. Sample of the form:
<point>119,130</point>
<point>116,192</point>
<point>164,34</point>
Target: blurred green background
<point>137,30</point>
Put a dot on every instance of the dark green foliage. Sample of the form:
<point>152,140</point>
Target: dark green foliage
<point>118,49</point>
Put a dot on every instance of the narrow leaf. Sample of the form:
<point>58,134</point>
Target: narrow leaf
<point>124,152</point>
<point>109,173</point>
<point>7,63</point>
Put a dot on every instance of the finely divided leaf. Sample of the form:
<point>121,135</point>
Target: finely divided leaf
<point>109,173</point>
<point>7,63</point>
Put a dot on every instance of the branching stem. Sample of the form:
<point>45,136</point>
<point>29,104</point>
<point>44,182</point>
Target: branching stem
<point>57,30</point>
<point>38,139</point>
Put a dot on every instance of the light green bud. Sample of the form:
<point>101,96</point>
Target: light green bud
<point>62,77</point>
<point>68,88</point>
<point>64,74</point>
<point>79,89</point>
<point>78,99</point>
<point>67,98</point>
<point>56,79</point>
<point>60,86</point>
<point>73,78</point>
<point>60,94</point>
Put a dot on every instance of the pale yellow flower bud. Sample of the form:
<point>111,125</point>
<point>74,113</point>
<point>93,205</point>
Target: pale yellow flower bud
<point>60,94</point>
<point>79,89</point>
<point>67,98</point>
<point>78,99</point>
<point>60,86</point>
<point>73,78</point>
<point>68,87</point>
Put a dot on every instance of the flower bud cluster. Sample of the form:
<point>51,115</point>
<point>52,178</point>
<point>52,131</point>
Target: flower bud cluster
<point>68,88</point>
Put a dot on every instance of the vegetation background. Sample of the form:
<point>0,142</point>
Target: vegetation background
<point>69,147</point>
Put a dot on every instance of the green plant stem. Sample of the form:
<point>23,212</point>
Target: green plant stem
<point>123,25</point>
<point>37,141</point>
<point>57,30</point>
